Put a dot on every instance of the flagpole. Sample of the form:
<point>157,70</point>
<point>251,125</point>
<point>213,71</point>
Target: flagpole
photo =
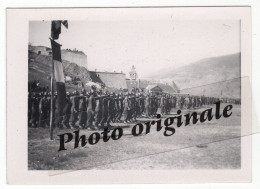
<point>55,31</point>
<point>52,105</point>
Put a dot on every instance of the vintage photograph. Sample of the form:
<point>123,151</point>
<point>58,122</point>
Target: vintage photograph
<point>134,94</point>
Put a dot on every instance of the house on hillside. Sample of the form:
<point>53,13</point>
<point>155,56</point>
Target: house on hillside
<point>72,56</point>
<point>40,50</point>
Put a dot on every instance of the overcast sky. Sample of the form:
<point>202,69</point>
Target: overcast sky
<point>150,45</point>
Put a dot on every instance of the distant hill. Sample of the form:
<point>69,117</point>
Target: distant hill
<point>207,72</point>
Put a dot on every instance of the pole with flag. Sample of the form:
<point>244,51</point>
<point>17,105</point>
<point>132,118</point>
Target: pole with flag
<point>58,75</point>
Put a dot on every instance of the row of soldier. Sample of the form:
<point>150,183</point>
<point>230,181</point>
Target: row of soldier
<point>97,109</point>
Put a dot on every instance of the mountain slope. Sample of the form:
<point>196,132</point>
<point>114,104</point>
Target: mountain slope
<point>207,72</point>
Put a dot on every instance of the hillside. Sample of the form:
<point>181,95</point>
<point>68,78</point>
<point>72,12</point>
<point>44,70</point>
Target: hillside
<point>205,74</point>
<point>40,69</point>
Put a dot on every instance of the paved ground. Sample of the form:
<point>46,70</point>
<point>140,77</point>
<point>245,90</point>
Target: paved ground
<point>209,145</point>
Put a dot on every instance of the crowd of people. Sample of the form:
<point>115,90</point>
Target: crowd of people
<point>98,108</point>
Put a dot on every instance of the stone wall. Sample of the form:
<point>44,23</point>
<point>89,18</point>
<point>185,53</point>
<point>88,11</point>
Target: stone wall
<point>77,57</point>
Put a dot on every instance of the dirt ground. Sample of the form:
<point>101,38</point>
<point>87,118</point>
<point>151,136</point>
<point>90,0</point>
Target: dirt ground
<point>209,145</point>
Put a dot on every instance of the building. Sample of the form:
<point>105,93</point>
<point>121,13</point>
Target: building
<point>75,56</point>
<point>40,50</point>
<point>134,82</point>
<point>133,74</point>
<point>72,56</point>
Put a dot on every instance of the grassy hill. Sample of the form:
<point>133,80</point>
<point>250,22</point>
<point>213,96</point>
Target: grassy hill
<point>211,76</point>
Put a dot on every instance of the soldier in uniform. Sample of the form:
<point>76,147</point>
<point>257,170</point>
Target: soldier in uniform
<point>187,101</point>
<point>135,108</point>
<point>54,108</point>
<point>29,108</point>
<point>125,115</point>
<point>162,104</point>
<point>111,109</point>
<point>43,110</point>
<point>58,113</point>
<point>82,115</point>
<point>130,108</point>
<point>142,104</point>
<point>116,98</point>
<point>104,105</point>
<point>147,105</point>
<point>193,102</point>
<point>182,102</point>
<point>153,105</point>
<point>34,110</point>
<point>74,109</point>
<point>91,108</point>
<point>167,104</point>
<point>174,101</point>
<point>98,109</point>
<point>67,111</point>
<point>120,107</point>
<point>138,104</point>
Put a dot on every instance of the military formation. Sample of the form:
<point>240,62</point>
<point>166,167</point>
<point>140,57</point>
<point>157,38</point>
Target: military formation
<point>96,109</point>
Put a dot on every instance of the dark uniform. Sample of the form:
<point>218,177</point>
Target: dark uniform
<point>120,108</point>
<point>66,111</point>
<point>162,104</point>
<point>34,111</point>
<point>111,109</point>
<point>104,111</point>
<point>147,106</point>
<point>29,113</point>
<point>90,111</point>
<point>82,115</point>
<point>44,110</point>
<point>125,115</point>
<point>74,110</point>
<point>98,111</point>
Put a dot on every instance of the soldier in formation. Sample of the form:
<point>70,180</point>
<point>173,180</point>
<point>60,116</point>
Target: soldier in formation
<point>97,109</point>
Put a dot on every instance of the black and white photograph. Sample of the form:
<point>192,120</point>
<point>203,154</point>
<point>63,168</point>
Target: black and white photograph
<point>135,89</point>
<point>114,79</point>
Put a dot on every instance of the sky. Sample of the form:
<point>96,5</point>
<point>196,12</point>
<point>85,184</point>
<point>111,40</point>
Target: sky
<point>149,45</point>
